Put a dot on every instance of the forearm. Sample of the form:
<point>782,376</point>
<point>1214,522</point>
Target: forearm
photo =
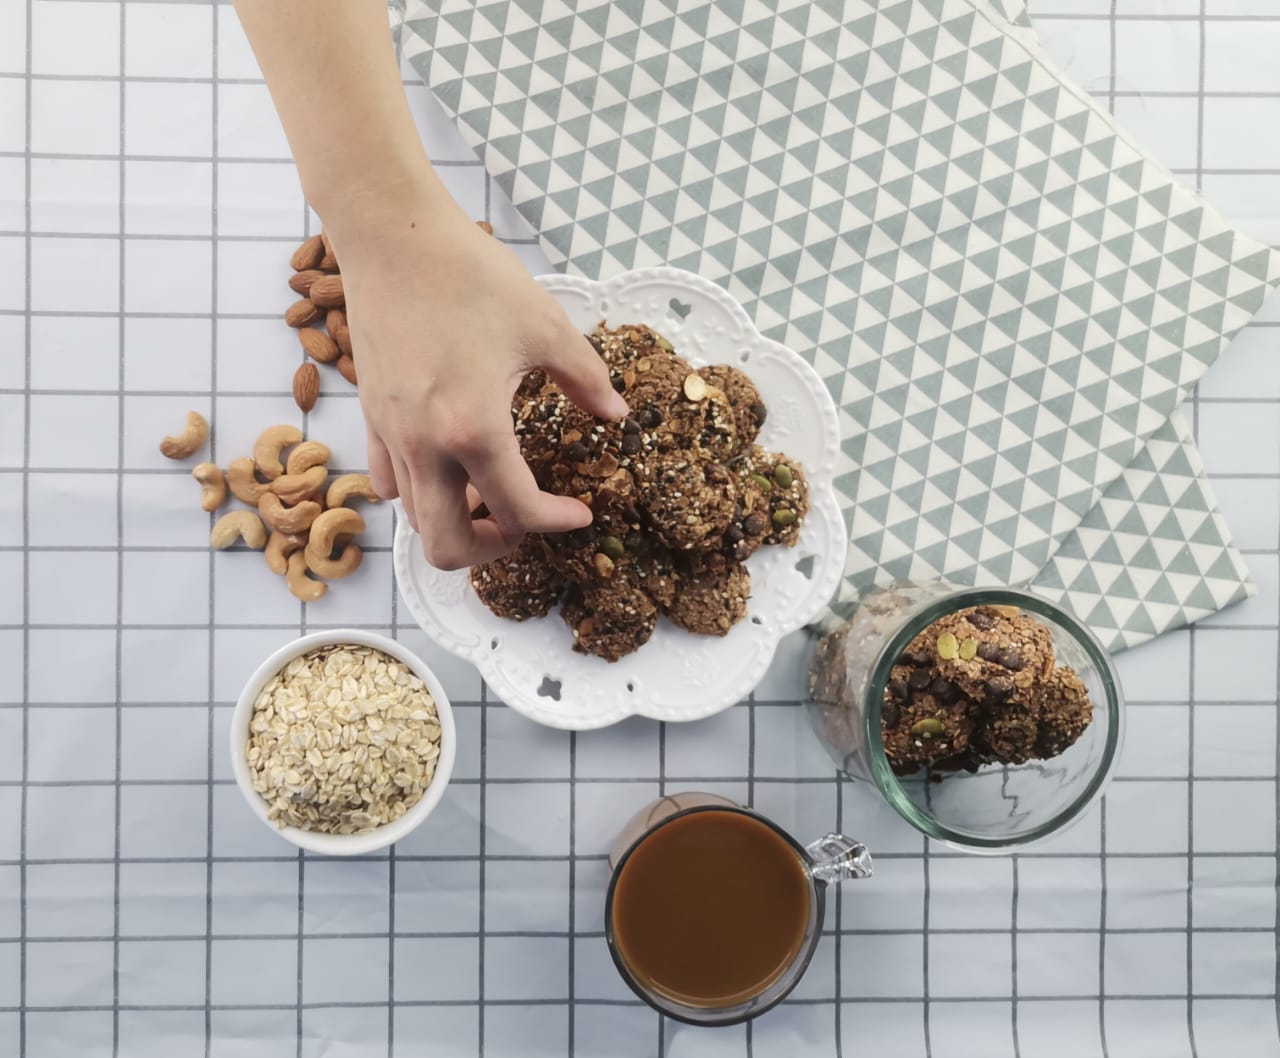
<point>332,73</point>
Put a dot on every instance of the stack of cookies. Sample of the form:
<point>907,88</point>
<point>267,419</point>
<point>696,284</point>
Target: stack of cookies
<point>681,496</point>
<point>981,686</point>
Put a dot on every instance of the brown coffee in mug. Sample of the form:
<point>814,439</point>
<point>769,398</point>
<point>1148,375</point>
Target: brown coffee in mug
<point>714,911</point>
<point>711,909</point>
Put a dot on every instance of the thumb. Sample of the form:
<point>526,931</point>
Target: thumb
<point>583,376</point>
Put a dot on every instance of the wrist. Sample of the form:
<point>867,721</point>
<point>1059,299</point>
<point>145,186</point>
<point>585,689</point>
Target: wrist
<point>389,205</point>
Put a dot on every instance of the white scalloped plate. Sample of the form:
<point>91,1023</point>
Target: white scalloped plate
<point>675,676</point>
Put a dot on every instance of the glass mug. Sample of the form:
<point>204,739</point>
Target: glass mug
<point>713,911</point>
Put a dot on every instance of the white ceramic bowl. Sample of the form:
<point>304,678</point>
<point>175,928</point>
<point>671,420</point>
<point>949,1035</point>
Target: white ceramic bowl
<point>343,844</point>
<point>531,665</point>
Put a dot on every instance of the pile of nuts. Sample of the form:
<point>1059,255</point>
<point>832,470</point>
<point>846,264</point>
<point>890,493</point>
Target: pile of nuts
<point>320,316</point>
<point>342,740</point>
<point>312,528</point>
<point>318,282</point>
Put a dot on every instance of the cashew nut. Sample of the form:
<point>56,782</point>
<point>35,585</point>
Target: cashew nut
<point>280,546</point>
<point>302,586</point>
<point>243,479</point>
<point>335,568</point>
<point>284,519</point>
<point>270,443</point>
<point>214,486</point>
<point>236,525</point>
<point>294,488</point>
<point>307,455</point>
<point>190,441</point>
<point>340,522</point>
<point>348,485</point>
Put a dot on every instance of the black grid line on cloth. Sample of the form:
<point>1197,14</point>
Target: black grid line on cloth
<point>1276,979</point>
<point>585,780</point>
<point>1013,958</point>
<point>601,858</point>
<point>482,864</point>
<point>839,924</point>
<point>119,636</point>
<point>211,721</point>
<point>564,934</point>
<point>374,1004</point>
<point>26,557</point>
<point>662,792</point>
<point>751,803</point>
<point>392,862</point>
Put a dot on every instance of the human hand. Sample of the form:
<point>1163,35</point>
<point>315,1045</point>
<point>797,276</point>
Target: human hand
<point>445,321</point>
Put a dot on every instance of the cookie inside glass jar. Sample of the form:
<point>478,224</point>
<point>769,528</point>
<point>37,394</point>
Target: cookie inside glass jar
<point>981,686</point>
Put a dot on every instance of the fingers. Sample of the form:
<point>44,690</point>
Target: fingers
<point>450,539</point>
<point>381,471</point>
<point>583,376</point>
<point>514,500</point>
<point>409,495</point>
<point>447,493</point>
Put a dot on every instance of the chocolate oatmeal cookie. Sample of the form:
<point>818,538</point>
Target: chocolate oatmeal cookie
<point>689,503</point>
<point>625,346</point>
<point>748,406</point>
<point>610,622</point>
<point>1064,711</point>
<point>710,602</point>
<point>996,653</point>
<point>750,523</point>
<point>520,585</point>
<point>781,481</point>
<point>700,421</point>
<point>652,382</point>
<point>926,733</point>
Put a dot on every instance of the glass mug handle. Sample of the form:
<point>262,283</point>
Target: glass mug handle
<point>836,859</point>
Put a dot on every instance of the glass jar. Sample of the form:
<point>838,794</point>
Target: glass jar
<point>1000,807</point>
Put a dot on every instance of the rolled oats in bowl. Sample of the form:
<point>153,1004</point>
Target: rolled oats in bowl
<point>343,740</point>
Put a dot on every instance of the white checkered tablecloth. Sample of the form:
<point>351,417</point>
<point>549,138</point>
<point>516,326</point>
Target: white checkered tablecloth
<point>147,210</point>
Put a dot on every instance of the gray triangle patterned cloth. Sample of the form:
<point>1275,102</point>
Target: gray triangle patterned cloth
<point>1006,298</point>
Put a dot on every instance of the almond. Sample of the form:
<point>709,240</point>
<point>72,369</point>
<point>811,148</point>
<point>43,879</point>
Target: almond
<point>485,226</point>
<point>336,321</point>
<point>327,292</point>
<point>347,368</point>
<point>329,262</point>
<point>306,385</point>
<point>300,282</point>
<point>318,345</point>
<point>301,313</point>
<point>308,255</point>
